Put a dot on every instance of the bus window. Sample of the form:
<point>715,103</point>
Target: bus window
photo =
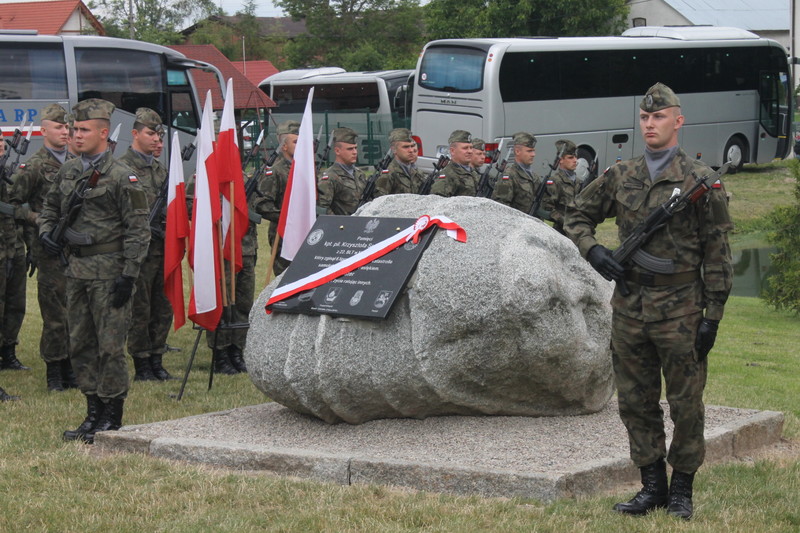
<point>32,72</point>
<point>183,114</point>
<point>453,69</point>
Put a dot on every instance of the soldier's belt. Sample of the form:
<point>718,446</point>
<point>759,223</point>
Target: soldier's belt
<point>6,209</point>
<point>95,249</point>
<point>652,279</point>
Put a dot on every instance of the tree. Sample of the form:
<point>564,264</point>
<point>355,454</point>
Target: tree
<point>783,291</point>
<point>154,21</point>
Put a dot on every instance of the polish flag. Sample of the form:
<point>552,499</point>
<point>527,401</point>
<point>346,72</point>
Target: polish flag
<point>235,222</point>
<point>205,303</point>
<point>299,210</point>
<point>175,236</point>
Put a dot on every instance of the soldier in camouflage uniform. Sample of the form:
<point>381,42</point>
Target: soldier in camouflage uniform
<point>517,186</point>
<point>668,323</point>
<point>340,186</point>
<point>565,183</point>
<point>402,175</point>
<point>32,181</point>
<point>147,338</point>
<point>458,177</point>
<point>478,154</point>
<point>100,275</point>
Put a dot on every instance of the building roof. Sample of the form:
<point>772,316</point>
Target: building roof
<point>256,71</point>
<point>246,95</point>
<point>48,18</point>
<point>746,14</point>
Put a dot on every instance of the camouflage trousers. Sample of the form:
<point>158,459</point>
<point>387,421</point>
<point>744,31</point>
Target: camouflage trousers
<point>97,333</point>
<point>12,297</point>
<point>240,311</point>
<point>52,295</point>
<point>151,312</point>
<point>641,352</point>
<point>280,263</point>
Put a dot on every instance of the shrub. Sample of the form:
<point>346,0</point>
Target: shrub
<point>783,291</point>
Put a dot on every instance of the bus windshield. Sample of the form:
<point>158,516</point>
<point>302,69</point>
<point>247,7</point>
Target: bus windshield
<point>453,69</point>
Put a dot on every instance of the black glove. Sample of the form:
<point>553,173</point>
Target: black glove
<point>601,259</point>
<point>706,335</point>
<point>122,290</point>
<point>30,263</point>
<point>50,246</point>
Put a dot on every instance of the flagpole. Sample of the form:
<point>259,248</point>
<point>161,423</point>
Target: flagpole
<point>221,246</point>
<point>273,255</point>
<point>232,233</point>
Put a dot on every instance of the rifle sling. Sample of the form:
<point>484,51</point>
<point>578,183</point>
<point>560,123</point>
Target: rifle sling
<point>95,249</point>
<point>651,279</point>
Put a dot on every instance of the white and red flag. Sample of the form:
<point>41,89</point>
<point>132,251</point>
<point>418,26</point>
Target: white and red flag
<point>205,303</point>
<point>299,210</point>
<point>177,230</point>
<point>231,184</point>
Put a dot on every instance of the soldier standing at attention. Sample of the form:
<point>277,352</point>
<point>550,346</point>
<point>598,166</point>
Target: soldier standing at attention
<point>147,337</point>
<point>32,181</point>
<point>517,186</point>
<point>458,177</point>
<point>565,183</point>
<point>340,187</point>
<point>668,323</point>
<point>100,275</point>
<point>403,176</point>
<point>478,154</point>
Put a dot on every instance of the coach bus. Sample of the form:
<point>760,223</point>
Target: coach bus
<point>734,89</point>
<point>36,70</point>
<point>371,103</point>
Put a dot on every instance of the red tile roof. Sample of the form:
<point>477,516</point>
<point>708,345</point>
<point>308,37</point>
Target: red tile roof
<point>256,71</point>
<point>246,95</point>
<point>48,18</point>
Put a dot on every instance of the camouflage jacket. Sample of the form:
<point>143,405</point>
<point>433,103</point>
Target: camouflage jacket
<point>151,177</point>
<point>115,210</point>
<point>396,180</point>
<point>695,238</point>
<point>272,185</point>
<point>456,180</point>
<point>517,188</point>
<point>339,194</point>
<point>562,195</point>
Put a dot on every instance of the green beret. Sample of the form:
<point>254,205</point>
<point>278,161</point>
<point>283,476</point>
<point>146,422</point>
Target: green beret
<point>290,126</point>
<point>149,118</point>
<point>460,136</point>
<point>478,144</point>
<point>524,139</point>
<point>400,135</point>
<point>93,108</point>
<point>345,135</point>
<point>566,147</point>
<point>56,113</point>
<point>659,97</point>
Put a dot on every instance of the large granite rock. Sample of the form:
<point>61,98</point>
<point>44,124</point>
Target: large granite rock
<point>512,322</point>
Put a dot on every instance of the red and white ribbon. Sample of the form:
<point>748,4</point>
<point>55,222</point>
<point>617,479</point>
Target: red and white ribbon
<point>364,257</point>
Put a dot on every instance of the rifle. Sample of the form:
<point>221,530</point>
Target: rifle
<point>591,175</point>
<point>325,153</point>
<point>630,249</point>
<point>158,210</point>
<point>537,200</point>
<point>59,233</point>
<point>112,140</point>
<point>428,183</point>
<point>254,151</point>
<point>12,144</point>
<point>369,188</point>
<point>485,186</point>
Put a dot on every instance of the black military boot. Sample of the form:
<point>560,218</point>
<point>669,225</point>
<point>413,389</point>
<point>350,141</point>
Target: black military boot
<point>159,371</point>
<point>222,365</point>
<point>67,375</point>
<point>680,495</point>
<point>144,372</point>
<point>8,358</point>
<point>236,358</point>
<point>94,409</point>
<point>111,419</point>
<point>6,397</point>
<point>55,381</point>
<point>653,494</point>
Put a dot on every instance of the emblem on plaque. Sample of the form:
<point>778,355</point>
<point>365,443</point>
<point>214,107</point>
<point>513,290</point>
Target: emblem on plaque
<point>382,299</point>
<point>356,298</point>
<point>371,225</point>
<point>314,237</point>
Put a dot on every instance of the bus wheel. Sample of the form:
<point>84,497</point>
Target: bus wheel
<point>734,152</point>
<point>585,161</point>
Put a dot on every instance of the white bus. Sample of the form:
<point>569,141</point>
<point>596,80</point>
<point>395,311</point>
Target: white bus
<point>371,103</point>
<point>36,70</point>
<point>734,89</point>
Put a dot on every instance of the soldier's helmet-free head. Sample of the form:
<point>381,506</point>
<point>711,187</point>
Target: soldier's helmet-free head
<point>478,144</point>
<point>345,135</point>
<point>401,135</point>
<point>460,136</point>
<point>55,113</point>
<point>289,126</point>
<point>524,139</point>
<point>566,147</point>
<point>659,97</point>
<point>93,108</point>
<point>149,118</point>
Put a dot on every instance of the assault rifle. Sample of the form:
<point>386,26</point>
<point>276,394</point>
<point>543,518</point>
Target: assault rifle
<point>537,199</point>
<point>159,208</point>
<point>369,188</point>
<point>12,144</point>
<point>254,151</point>
<point>428,183</point>
<point>591,175</point>
<point>62,231</point>
<point>630,249</point>
<point>485,186</point>
<point>112,140</point>
<point>325,153</point>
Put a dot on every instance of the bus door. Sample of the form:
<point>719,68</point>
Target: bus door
<point>774,115</point>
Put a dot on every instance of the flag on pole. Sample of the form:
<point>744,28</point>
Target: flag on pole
<point>231,183</point>
<point>177,230</point>
<point>205,303</point>
<point>299,210</point>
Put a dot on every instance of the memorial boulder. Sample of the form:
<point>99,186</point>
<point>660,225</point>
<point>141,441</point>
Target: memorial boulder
<point>512,322</point>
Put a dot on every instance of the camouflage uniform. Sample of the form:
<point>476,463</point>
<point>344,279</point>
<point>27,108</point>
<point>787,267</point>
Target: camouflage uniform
<point>399,179</point>
<point>456,180</point>
<point>339,192</point>
<point>12,282</point>
<point>517,187</point>
<point>564,189</point>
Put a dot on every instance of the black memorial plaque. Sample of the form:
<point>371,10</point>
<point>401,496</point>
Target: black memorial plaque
<point>367,292</point>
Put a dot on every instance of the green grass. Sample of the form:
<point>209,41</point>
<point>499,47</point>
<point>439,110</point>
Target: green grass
<point>49,485</point>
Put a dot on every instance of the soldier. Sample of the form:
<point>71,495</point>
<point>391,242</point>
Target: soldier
<point>31,184</point>
<point>478,154</point>
<point>402,176</point>
<point>100,275</point>
<point>668,323</point>
<point>147,337</point>
<point>565,183</point>
<point>458,178</point>
<point>517,186</point>
<point>340,187</point>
